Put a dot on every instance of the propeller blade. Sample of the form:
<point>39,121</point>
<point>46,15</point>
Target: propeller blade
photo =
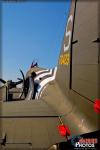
<point>3,81</point>
<point>20,79</point>
<point>22,74</point>
<point>19,82</point>
<point>23,92</point>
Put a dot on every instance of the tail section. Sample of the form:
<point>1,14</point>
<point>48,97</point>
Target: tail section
<point>63,72</point>
<point>78,65</point>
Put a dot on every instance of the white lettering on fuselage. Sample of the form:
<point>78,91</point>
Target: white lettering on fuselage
<point>68,34</point>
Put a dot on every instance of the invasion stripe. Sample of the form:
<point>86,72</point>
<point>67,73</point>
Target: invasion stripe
<point>45,81</point>
<point>47,76</point>
<point>40,71</point>
<point>43,74</point>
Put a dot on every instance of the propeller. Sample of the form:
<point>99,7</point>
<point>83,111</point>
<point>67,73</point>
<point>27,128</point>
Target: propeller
<point>24,90</point>
<point>10,83</point>
<point>3,81</point>
<point>20,79</point>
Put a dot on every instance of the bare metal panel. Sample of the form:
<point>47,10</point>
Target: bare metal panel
<point>85,53</point>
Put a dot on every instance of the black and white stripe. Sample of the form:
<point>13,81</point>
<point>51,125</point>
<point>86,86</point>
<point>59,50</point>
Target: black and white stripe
<point>46,78</point>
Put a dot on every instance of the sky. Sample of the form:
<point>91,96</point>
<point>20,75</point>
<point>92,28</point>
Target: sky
<point>32,31</point>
